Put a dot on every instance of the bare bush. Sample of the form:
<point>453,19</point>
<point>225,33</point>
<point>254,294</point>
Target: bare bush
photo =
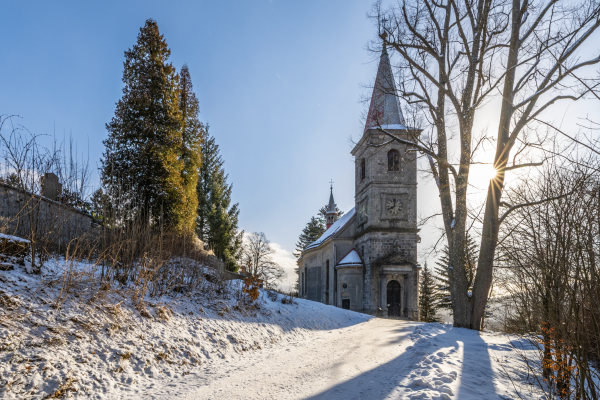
<point>46,222</point>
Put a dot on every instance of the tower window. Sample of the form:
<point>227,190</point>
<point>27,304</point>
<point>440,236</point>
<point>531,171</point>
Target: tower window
<point>363,169</point>
<point>394,160</point>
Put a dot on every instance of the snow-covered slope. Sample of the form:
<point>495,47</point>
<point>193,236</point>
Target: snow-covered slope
<point>101,347</point>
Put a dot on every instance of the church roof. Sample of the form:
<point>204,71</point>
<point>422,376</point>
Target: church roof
<point>352,258</point>
<point>337,225</point>
<point>331,207</point>
<point>385,107</point>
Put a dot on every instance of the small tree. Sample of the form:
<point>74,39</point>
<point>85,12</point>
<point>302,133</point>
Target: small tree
<point>427,296</point>
<point>443,272</point>
<point>258,261</point>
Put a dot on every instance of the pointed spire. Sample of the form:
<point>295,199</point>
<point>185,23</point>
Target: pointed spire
<point>385,107</point>
<point>331,207</point>
<point>331,213</point>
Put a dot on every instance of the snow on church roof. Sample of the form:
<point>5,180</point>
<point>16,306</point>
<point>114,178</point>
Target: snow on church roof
<point>351,258</point>
<point>337,225</point>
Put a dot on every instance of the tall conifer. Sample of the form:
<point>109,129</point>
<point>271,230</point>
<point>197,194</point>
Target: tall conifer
<point>217,220</point>
<point>192,135</point>
<point>311,232</point>
<point>313,229</point>
<point>142,164</point>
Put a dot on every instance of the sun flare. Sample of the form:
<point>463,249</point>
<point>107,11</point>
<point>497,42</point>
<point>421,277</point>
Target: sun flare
<point>486,171</point>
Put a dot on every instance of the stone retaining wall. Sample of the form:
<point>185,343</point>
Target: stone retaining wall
<point>24,214</point>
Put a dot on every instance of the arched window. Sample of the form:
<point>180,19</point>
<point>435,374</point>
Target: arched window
<point>394,160</point>
<point>363,169</point>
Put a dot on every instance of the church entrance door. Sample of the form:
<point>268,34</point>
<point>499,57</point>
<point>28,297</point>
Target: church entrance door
<point>393,299</point>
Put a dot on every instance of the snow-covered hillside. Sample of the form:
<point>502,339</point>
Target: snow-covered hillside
<point>196,348</point>
<point>103,347</point>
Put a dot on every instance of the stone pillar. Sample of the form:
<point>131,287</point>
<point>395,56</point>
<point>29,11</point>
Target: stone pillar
<point>383,295</point>
<point>51,187</point>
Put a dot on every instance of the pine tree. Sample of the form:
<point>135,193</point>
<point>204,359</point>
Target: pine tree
<point>322,215</point>
<point>442,272</point>
<point>314,229</point>
<point>311,232</point>
<point>192,135</point>
<point>427,296</point>
<point>100,206</point>
<point>142,163</point>
<point>217,219</point>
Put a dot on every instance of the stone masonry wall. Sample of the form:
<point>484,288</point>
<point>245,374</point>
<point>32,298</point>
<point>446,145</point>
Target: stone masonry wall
<point>22,213</point>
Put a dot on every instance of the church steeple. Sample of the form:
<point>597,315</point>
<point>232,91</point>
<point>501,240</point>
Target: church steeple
<point>385,106</point>
<point>331,213</point>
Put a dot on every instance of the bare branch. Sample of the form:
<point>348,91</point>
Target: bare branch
<point>533,203</point>
<point>442,162</point>
<point>523,166</point>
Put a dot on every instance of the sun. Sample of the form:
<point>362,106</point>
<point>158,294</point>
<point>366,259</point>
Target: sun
<point>485,171</point>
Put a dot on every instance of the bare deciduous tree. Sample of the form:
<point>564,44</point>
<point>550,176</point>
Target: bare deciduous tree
<point>549,257</point>
<point>454,58</point>
<point>258,261</point>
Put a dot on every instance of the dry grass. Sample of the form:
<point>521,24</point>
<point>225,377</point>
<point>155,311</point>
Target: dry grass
<point>62,389</point>
<point>164,313</point>
<point>9,302</point>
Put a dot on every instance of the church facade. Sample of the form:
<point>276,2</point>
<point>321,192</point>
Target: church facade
<point>366,260</point>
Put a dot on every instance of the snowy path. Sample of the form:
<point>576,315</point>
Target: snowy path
<point>376,359</point>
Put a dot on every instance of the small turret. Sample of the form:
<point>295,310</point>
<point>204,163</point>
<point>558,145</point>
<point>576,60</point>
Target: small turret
<point>332,213</point>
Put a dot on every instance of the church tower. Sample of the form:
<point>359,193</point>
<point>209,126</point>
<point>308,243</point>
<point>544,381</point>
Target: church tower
<point>331,213</point>
<point>386,204</point>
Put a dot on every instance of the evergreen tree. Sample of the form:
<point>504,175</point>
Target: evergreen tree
<point>427,296</point>
<point>323,214</point>
<point>311,232</point>
<point>192,135</point>
<point>442,272</point>
<point>142,164</point>
<point>217,219</point>
<point>314,229</point>
<point>100,206</point>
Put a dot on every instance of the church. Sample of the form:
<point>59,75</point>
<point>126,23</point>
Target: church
<point>366,260</point>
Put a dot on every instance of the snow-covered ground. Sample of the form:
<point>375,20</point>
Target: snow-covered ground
<point>198,348</point>
<point>372,359</point>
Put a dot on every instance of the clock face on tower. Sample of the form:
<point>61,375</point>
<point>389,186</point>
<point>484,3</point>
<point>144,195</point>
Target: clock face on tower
<point>393,206</point>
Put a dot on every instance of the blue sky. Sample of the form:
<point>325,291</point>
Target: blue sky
<point>279,82</point>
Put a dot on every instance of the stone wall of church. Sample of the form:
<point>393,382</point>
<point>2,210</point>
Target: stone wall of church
<point>350,287</point>
<point>318,284</point>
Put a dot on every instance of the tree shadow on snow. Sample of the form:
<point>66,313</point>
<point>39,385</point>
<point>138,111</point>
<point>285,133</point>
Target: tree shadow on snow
<point>403,377</point>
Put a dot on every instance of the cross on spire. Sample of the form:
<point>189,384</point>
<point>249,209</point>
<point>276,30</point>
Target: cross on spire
<point>331,184</point>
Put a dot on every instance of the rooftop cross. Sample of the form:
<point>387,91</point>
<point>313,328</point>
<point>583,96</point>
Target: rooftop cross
<point>331,184</point>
